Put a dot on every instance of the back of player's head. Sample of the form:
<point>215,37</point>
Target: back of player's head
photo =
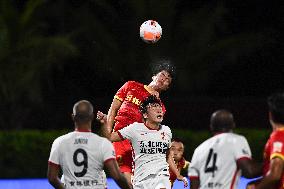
<point>222,121</point>
<point>164,65</point>
<point>149,100</point>
<point>276,107</point>
<point>83,111</point>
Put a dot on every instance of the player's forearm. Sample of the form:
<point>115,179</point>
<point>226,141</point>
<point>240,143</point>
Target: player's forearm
<point>252,170</point>
<point>122,182</point>
<point>111,114</point>
<point>194,184</point>
<point>56,183</point>
<point>267,182</point>
<point>172,165</point>
<point>110,121</point>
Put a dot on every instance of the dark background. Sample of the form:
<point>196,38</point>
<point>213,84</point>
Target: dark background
<point>228,54</point>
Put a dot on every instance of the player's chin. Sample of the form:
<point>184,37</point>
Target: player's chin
<point>159,119</point>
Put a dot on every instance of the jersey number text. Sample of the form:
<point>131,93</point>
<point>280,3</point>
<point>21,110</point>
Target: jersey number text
<point>83,162</point>
<point>211,162</point>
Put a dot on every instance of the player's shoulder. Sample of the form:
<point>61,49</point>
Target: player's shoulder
<point>137,124</point>
<point>278,132</point>
<point>237,136</point>
<point>96,140</point>
<point>166,128</point>
<point>64,136</point>
<point>134,83</point>
<point>61,139</point>
<point>232,138</point>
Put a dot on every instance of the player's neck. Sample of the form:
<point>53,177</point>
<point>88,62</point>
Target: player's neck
<point>152,125</point>
<point>153,89</point>
<point>83,128</point>
<point>278,126</point>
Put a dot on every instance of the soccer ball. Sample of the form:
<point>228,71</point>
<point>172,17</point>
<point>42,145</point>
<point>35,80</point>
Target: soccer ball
<point>150,31</point>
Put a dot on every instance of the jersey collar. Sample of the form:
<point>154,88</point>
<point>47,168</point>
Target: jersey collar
<point>159,128</point>
<point>280,129</point>
<point>83,130</point>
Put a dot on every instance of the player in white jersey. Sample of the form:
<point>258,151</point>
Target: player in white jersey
<point>219,161</point>
<point>82,155</point>
<point>150,142</point>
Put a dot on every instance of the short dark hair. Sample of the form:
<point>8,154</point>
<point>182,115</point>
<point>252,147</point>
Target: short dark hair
<point>165,65</point>
<point>83,111</point>
<point>149,100</point>
<point>276,107</point>
<point>222,121</point>
<point>177,140</point>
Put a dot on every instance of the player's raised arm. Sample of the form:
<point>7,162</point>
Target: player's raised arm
<point>112,136</point>
<point>173,168</point>
<point>115,105</point>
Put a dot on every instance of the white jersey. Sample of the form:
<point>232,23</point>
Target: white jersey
<point>150,147</point>
<point>82,155</point>
<point>214,162</point>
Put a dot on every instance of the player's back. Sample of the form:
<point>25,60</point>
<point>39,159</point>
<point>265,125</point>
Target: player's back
<point>216,160</point>
<point>82,156</point>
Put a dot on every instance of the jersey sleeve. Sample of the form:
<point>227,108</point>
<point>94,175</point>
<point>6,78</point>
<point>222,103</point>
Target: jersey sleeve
<point>122,92</point>
<point>108,150</point>
<point>194,167</point>
<point>128,132</point>
<point>241,148</point>
<point>170,136</point>
<point>277,146</point>
<point>54,157</point>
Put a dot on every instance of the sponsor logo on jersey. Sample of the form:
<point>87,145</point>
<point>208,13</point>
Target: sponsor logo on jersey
<point>277,146</point>
<point>153,147</point>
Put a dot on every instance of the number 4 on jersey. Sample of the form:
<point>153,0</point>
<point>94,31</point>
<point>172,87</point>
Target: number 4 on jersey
<point>211,162</point>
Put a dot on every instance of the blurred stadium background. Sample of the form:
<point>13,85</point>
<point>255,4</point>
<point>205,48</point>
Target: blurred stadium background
<point>228,54</point>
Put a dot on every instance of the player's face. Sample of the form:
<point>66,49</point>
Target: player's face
<point>162,80</point>
<point>155,113</point>
<point>177,150</point>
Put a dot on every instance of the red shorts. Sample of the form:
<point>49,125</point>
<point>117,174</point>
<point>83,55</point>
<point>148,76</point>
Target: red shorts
<point>124,158</point>
<point>123,150</point>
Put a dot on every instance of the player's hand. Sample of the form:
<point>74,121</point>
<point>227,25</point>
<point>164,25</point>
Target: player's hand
<point>101,117</point>
<point>183,179</point>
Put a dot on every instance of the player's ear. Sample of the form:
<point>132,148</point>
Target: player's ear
<point>72,116</point>
<point>92,117</point>
<point>269,115</point>
<point>145,115</point>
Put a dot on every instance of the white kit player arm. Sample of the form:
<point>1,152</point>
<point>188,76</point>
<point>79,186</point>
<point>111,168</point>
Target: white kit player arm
<point>193,169</point>
<point>127,132</point>
<point>107,151</point>
<point>249,167</point>
<point>111,165</point>
<point>54,165</point>
<point>55,152</point>
<point>242,149</point>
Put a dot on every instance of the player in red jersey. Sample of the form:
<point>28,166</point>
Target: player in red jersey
<point>273,174</point>
<point>177,150</point>
<point>124,110</point>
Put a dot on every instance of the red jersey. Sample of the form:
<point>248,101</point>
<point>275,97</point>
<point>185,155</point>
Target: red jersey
<point>131,94</point>
<point>274,148</point>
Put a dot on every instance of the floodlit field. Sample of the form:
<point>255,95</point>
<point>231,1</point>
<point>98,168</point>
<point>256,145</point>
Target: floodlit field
<point>43,184</point>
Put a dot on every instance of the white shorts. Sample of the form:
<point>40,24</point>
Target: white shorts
<point>153,182</point>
